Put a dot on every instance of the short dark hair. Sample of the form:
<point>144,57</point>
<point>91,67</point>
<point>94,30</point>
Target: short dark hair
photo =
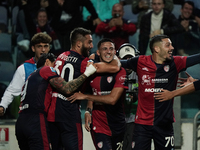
<point>78,34</point>
<point>44,57</point>
<point>188,2</point>
<point>104,40</point>
<point>155,39</point>
<point>42,10</point>
<point>40,38</point>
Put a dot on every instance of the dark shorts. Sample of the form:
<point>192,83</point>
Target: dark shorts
<point>163,137</point>
<point>128,136</point>
<point>105,142</point>
<point>32,132</point>
<point>66,135</point>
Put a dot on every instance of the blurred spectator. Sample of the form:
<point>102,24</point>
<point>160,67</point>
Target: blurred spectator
<point>117,28</point>
<point>144,6</point>
<point>103,9</point>
<point>196,10</point>
<point>158,21</point>
<point>28,22</point>
<point>41,24</point>
<point>191,23</point>
<point>68,15</point>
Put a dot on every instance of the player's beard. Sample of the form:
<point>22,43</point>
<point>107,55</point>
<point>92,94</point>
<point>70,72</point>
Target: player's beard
<point>168,59</point>
<point>85,51</point>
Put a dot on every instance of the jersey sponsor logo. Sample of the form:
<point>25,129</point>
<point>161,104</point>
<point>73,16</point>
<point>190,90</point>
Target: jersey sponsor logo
<point>145,68</point>
<point>109,79</point>
<point>25,106</point>
<point>104,93</point>
<point>100,144</point>
<point>52,69</point>
<point>59,96</point>
<point>163,80</point>
<point>166,68</point>
<point>96,92</point>
<point>146,80</point>
<point>152,90</point>
<point>122,78</point>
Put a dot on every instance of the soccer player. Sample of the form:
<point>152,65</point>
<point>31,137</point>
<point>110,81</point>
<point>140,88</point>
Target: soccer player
<point>39,45</point>
<point>158,71</point>
<point>106,103</point>
<point>64,116</point>
<point>32,131</point>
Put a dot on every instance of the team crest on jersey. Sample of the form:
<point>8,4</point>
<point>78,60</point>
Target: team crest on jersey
<point>166,68</point>
<point>109,79</point>
<point>146,79</point>
<point>133,144</point>
<point>100,144</point>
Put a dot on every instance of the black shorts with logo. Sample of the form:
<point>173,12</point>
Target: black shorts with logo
<point>105,142</point>
<point>163,137</point>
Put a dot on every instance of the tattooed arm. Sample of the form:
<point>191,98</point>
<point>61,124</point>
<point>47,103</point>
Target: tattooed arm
<point>67,87</point>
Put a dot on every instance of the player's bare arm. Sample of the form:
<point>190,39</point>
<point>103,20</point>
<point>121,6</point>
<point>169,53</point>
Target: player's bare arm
<point>67,87</point>
<point>165,95</point>
<point>106,99</point>
<point>112,67</point>
<point>88,114</point>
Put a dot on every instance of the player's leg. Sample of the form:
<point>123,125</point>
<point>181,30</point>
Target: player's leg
<point>117,141</point>
<point>142,136</point>
<point>127,142</point>
<point>20,128</point>
<point>39,133</point>
<point>71,135</point>
<point>101,141</point>
<point>55,136</point>
<point>164,137</point>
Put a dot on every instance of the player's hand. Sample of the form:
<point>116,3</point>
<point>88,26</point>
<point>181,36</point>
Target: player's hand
<point>76,96</point>
<point>90,62</point>
<point>90,69</point>
<point>87,121</point>
<point>185,81</point>
<point>1,110</point>
<point>164,95</point>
